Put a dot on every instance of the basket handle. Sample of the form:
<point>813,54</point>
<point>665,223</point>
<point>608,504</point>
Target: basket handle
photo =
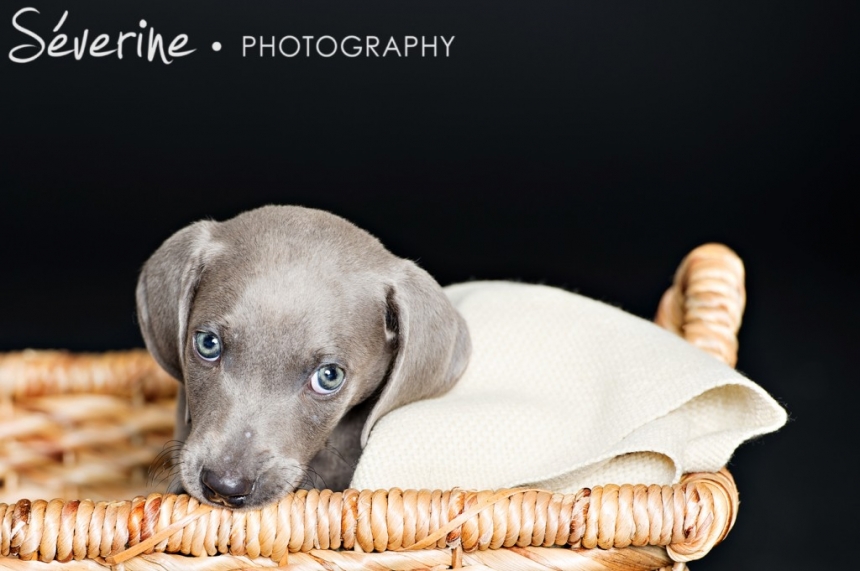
<point>706,302</point>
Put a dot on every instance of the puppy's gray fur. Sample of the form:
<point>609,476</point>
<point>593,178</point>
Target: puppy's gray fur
<point>288,289</point>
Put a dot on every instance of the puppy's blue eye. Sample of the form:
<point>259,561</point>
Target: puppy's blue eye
<point>207,345</point>
<point>327,379</point>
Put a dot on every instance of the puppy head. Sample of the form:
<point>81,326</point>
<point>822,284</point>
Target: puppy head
<point>278,322</point>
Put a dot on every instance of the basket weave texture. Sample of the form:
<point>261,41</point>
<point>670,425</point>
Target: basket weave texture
<point>91,425</point>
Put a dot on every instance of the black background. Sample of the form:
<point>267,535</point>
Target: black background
<point>588,145</point>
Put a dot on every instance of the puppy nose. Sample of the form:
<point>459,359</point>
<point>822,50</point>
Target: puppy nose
<point>227,489</point>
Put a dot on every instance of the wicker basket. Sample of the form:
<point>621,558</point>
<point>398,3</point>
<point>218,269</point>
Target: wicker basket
<point>91,425</point>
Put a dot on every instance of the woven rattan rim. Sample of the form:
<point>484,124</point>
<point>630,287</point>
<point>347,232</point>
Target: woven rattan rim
<point>688,519</point>
<point>608,527</point>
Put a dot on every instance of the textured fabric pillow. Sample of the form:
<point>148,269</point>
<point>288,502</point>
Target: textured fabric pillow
<point>564,392</point>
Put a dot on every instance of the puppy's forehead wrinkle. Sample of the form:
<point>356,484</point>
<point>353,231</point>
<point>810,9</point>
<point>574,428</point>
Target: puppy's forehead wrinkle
<point>288,234</point>
<point>304,311</point>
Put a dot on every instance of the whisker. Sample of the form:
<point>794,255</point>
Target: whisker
<point>176,482</point>
<point>165,462</point>
<point>167,473</point>
<point>339,455</point>
<point>313,476</point>
<point>164,469</point>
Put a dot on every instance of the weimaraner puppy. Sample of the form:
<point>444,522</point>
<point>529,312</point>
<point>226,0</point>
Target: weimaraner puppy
<point>293,332</point>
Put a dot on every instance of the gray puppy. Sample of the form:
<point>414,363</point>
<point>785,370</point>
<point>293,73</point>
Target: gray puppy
<point>293,332</point>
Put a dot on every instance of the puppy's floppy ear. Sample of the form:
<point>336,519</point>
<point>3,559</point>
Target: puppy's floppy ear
<point>165,290</point>
<point>433,344</point>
